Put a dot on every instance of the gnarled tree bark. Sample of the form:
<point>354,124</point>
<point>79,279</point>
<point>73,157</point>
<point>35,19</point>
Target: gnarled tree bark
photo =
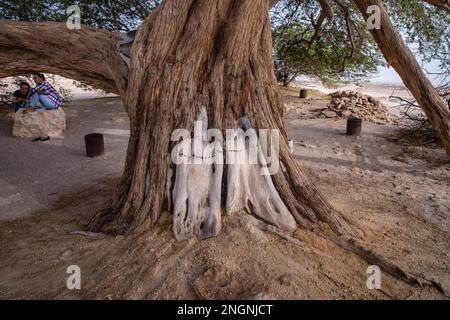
<point>180,62</point>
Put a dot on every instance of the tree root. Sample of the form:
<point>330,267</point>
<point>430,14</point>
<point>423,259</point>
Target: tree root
<point>389,267</point>
<point>263,226</point>
<point>355,247</point>
<point>93,235</point>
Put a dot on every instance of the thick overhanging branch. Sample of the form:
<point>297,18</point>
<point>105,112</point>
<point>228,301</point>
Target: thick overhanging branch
<point>397,53</point>
<point>272,3</point>
<point>88,55</point>
<point>441,4</point>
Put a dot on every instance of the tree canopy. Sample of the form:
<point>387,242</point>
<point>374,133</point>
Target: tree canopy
<point>332,48</point>
<point>427,27</point>
<point>325,39</point>
<point>116,15</point>
<point>329,39</point>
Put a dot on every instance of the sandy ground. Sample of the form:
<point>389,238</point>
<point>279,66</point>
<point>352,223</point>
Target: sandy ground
<point>34,174</point>
<point>398,194</point>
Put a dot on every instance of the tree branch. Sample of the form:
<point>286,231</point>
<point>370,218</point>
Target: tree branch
<point>441,4</point>
<point>326,12</point>
<point>273,3</point>
<point>397,53</point>
<point>348,21</point>
<point>88,55</point>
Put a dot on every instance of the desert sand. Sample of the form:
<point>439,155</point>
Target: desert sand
<point>397,192</point>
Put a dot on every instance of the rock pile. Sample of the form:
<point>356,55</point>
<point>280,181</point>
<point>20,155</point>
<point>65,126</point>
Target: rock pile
<point>35,124</point>
<point>348,104</point>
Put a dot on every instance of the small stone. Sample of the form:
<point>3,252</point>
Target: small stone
<point>66,254</point>
<point>329,114</point>
<point>286,279</point>
<point>261,296</point>
<point>400,159</point>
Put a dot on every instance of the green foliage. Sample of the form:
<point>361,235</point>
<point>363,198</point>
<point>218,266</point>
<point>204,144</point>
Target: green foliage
<point>428,29</point>
<point>23,10</point>
<point>330,61</point>
<point>340,52</point>
<point>117,15</point>
<point>328,57</point>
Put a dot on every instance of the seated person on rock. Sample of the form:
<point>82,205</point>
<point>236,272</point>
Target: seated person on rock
<point>45,94</point>
<point>20,97</point>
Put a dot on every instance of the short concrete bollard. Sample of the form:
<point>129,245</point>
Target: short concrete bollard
<point>95,145</point>
<point>303,94</point>
<point>354,127</point>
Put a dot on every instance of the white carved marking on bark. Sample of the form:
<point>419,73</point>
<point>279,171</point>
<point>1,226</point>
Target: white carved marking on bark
<point>197,189</point>
<point>197,192</point>
<point>249,190</point>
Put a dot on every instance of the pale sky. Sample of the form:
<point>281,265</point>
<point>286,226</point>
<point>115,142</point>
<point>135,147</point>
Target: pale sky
<point>389,75</point>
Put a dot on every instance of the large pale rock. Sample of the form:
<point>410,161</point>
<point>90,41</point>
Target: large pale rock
<point>35,124</point>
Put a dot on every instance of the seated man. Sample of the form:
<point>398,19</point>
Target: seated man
<point>44,93</point>
<point>20,97</point>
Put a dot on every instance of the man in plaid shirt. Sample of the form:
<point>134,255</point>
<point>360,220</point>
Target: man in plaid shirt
<point>45,94</point>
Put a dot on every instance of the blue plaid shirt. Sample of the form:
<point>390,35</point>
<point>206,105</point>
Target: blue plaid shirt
<point>46,88</point>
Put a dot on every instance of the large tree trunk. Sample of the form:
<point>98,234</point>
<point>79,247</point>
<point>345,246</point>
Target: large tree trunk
<point>192,59</point>
<point>181,62</point>
<point>400,57</point>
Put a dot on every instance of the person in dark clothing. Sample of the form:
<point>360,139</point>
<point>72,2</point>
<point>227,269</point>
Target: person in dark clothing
<point>21,96</point>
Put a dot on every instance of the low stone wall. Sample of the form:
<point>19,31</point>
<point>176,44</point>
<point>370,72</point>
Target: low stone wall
<point>36,124</point>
